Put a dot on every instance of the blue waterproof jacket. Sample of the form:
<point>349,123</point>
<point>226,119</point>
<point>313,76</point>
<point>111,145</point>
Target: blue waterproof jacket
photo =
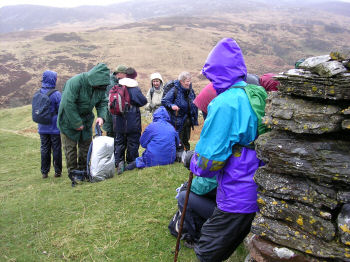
<point>181,101</point>
<point>160,140</point>
<point>130,122</point>
<point>49,82</point>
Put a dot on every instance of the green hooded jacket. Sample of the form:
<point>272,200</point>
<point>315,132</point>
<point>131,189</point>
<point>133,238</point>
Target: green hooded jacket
<point>78,100</point>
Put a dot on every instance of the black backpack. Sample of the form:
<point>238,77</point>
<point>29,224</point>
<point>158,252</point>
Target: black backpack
<point>168,86</point>
<point>41,107</point>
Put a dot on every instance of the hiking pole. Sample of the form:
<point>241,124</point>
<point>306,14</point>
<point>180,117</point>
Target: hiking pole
<point>183,216</point>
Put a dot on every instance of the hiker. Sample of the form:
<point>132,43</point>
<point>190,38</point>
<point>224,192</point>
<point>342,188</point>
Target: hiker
<point>131,73</point>
<point>183,113</point>
<point>128,126</point>
<point>155,93</point>
<point>267,82</point>
<point>119,73</point>
<point>81,94</point>
<point>225,150</point>
<point>252,79</point>
<point>49,134</point>
<point>201,201</point>
<point>159,140</point>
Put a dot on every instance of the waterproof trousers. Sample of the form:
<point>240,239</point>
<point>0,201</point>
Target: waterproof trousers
<point>50,143</point>
<point>129,143</point>
<point>76,153</point>
<point>221,234</point>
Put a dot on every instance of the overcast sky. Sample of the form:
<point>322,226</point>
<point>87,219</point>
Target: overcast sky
<point>70,3</point>
<point>60,3</point>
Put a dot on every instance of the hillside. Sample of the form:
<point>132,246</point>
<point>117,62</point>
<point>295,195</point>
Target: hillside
<point>271,40</point>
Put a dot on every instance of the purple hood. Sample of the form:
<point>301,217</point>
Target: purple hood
<point>225,65</point>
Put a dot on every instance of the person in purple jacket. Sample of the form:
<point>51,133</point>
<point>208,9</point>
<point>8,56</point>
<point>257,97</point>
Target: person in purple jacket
<point>50,134</point>
<point>225,150</point>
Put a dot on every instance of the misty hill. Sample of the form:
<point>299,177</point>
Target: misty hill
<point>272,39</point>
<point>28,17</point>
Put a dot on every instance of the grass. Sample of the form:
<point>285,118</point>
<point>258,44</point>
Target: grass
<point>121,219</point>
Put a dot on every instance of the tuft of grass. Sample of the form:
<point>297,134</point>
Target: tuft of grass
<point>121,219</point>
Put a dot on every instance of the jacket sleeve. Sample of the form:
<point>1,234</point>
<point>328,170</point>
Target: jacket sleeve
<point>149,101</point>
<point>57,100</point>
<point>71,95</point>
<point>137,98</point>
<point>146,136</point>
<point>101,106</point>
<point>167,101</point>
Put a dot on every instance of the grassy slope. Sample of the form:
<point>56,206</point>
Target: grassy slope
<point>122,219</point>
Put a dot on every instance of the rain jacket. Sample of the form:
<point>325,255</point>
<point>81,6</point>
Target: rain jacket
<point>49,82</point>
<point>225,145</point>
<point>180,100</point>
<point>154,96</point>
<point>78,100</point>
<point>160,140</point>
<point>130,121</point>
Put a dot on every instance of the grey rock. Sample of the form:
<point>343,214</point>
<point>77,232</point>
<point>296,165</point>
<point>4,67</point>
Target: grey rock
<point>344,224</point>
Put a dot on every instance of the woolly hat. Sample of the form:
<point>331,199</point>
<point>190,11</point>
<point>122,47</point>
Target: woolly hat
<point>156,76</point>
<point>120,69</point>
<point>267,82</point>
<point>205,96</point>
<point>128,82</point>
<point>131,73</point>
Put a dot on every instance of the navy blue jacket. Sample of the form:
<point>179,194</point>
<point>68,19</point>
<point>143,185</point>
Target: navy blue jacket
<point>182,102</point>
<point>49,82</point>
<point>130,122</point>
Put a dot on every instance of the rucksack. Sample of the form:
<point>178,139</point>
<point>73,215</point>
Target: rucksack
<point>119,100</point>
<point>41,107</point>
<point>168,86</point>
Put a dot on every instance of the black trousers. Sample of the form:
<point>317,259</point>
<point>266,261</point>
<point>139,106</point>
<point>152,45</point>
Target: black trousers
<point>185,135</point>
<point>129,143</point>
<point>221,234</point>
<point>51,143</point>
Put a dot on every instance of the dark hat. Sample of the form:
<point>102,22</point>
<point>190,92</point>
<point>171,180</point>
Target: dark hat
<point>131,73</point>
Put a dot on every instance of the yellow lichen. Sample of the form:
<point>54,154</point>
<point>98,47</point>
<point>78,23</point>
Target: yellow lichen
<point>261,201</point>
<point>308,251</point>
<point>300,221</point>
<point>274,203</point>
<point>312,220</point>
<point>345,228</point>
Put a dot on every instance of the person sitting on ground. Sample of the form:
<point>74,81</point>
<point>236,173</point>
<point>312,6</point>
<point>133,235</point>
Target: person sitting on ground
<point>160,140</point>
<point>155,93</point>
<point>225,150</point>
<point>183,113</point>
<point>49,134</point>
<point>128,126</point>
<point>119,73</point>
<point>267,82</point>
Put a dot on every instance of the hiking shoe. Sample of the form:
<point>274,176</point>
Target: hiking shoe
<point>189,244</point>
<point>58,174</point>
<point>45,175</point>
<point>121,167</point>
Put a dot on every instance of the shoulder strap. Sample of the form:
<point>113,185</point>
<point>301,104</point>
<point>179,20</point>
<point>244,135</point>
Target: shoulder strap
<point>175,93</point>
<point>51,92</point>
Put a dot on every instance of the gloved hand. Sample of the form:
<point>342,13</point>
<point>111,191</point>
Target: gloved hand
<point>186,158</point>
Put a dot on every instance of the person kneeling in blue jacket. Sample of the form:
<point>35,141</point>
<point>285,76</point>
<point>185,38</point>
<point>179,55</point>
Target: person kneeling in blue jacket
<point>160,140</point>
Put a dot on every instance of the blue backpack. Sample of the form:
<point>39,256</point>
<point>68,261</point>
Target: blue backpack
<point>41,107</point>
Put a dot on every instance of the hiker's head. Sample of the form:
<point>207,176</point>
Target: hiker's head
<point>49,79</point>
<point>185,79</point>
<point>204,97</point>
<point>120,71</point>
<point>156,80</point>
<point>225,65</point>
<point>131,73</point>
<point>128,82</point>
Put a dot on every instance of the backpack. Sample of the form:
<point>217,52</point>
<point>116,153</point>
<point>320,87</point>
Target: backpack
<point>41,107</point>
<point>168,86</point>
<point>119,100</point>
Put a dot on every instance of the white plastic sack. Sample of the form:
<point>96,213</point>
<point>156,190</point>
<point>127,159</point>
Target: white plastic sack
<point>102,158</point>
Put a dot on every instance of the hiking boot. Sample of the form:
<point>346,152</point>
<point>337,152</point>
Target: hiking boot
<point>121,167</point>
<point>189,244</point>
<point>58,174</point>
<point>45,175</point>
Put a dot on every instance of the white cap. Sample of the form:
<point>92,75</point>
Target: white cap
<point>156,76</point>
<point>128,82</point>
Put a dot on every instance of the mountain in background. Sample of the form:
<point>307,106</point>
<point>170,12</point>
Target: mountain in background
<point>164,36</point>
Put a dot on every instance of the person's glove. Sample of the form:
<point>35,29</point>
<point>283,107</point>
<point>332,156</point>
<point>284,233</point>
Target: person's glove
<point>186,158</point>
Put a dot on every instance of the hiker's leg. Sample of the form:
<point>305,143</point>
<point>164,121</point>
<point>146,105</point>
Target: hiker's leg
<point>119,148</point>
<point>83,152</point>
<point>45,150</point>
<point>185,134</point>
<point>133,144</point>
<point>199,209</point>
<point>221,234</point>
<point>70,152</point>
<point>57,153</point>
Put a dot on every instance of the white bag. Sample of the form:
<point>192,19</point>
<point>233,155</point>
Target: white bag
<point>102,164</point>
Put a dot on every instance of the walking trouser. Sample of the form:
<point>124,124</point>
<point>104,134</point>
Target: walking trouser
<point>75,152</point>
<point>129,142</point>
<point>51,142</point>
<point>185,134</point>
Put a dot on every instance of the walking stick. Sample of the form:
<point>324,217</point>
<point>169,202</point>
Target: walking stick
<point>183,216</point>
